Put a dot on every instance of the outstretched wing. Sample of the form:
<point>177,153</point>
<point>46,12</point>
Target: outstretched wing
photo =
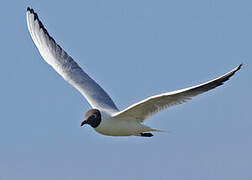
<point>142,110</point>
<point>55,56</point>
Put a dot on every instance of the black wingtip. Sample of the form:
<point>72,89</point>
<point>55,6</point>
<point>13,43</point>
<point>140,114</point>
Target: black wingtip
<point>239,67</point>
<point>40,23</point>
<point>33,12</point>
<point>29,9</point>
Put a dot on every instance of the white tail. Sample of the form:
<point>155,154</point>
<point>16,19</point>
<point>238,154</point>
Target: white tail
<point>158,130</point>
<point>148,129</point>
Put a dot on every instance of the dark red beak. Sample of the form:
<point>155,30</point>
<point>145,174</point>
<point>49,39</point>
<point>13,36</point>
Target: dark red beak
<point>83,122</point>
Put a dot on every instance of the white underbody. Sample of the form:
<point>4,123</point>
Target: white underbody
<point>114,127</point>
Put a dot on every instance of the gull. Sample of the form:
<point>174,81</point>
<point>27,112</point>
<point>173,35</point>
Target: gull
<point>104,117</point>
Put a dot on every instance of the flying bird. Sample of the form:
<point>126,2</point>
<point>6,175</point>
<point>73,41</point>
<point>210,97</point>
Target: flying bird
<point>105,117</point>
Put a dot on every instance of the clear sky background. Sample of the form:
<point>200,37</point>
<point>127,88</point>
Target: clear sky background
<point>134,49</point>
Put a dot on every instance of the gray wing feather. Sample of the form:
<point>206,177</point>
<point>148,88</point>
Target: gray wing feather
<point>143,109</point>
<point>55,56</point>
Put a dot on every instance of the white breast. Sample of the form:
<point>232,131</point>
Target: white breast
<point>113,127</point>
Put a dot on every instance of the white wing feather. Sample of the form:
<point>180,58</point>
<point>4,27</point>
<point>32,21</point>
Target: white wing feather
<point>55,56</point>
<point>142,110</point>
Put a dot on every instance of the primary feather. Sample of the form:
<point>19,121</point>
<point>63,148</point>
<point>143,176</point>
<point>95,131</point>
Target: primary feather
<point>55,56</point>
<point>144,109</point>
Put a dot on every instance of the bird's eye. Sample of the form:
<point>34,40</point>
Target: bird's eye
<point>94,116</point>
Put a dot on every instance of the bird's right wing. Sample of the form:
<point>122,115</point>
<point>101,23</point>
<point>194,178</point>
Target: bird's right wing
<point>142,110</point>
<point>55,56</point>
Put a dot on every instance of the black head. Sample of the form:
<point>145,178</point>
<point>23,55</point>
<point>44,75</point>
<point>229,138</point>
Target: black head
<point>93,118</point>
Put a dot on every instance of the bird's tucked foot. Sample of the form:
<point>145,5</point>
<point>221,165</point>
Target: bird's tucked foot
<point>146,134</point>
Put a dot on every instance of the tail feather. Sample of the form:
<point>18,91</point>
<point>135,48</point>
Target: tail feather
<point>158,130</point>
<point>148,129</point>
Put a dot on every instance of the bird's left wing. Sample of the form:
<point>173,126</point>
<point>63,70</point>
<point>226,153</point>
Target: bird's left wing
<point>142,110</point>
<point>55,56</point>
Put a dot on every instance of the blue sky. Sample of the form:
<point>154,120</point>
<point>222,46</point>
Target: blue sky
<point>133,49</point>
